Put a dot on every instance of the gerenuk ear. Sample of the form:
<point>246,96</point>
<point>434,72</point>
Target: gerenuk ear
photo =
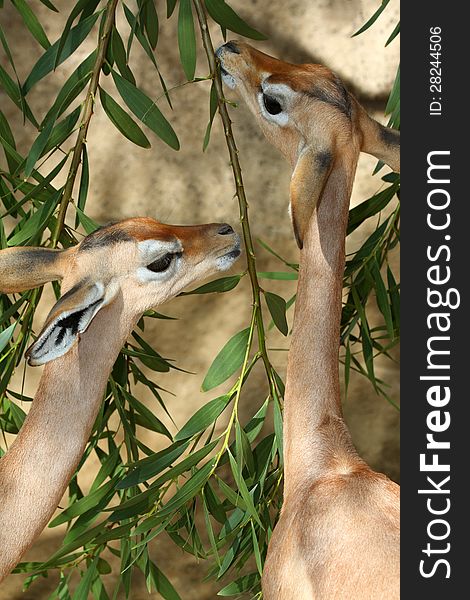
<point>307,183</point>
<point>71,316</point>
<point>378,140</point>
<point>24,268</point>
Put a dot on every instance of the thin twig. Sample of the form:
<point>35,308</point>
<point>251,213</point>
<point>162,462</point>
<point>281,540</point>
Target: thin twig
<point>237,174</point>
<point>85,122</point>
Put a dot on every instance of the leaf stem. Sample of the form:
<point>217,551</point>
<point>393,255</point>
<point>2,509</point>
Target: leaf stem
<point>240,190</point>
<point>85,122</point>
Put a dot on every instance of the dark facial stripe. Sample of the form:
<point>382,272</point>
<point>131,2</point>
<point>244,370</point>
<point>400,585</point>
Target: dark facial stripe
<point>340,99</point>
<point>103,237</point>
<point>390,137</point>
<point>231,47</point>
<point>324,160</point>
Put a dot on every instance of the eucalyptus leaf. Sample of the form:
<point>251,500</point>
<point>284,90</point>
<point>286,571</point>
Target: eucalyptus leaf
<point>224,284</point>
<point>153,465</point>
<point>47,61</point>
<point>279,275</point>
<point>373,18</point>
<point>277,308</point>
<point>203,417</point>
<point>146,110</point>
<point>122,121</point>
<point>223,14</point>
<point>36,222</point>
<point>240,585</point>
<point>6,335</point>
<point>31,22</point>
<point>187,38</point>
<point>227,361</point>
<point>61,131</point>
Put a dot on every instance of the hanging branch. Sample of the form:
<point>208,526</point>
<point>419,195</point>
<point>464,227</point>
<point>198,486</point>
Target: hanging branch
<point>240,190</point>
<point>86,118</point>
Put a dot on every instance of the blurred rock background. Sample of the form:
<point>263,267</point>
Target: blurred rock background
<point>191,186</point>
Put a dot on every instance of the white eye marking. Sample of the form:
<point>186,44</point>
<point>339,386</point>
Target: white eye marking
<point>274,100</point>
<point>150,250</point>
<point>163,258</point>
<point>161,269</point>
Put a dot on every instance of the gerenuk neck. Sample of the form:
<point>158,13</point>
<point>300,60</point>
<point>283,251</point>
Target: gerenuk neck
<point>316,440</point>
<point>36,470</point>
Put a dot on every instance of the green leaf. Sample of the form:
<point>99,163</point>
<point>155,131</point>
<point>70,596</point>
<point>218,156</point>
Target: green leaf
<point>370,207</point>
<point>243,452</point>
<point>214,505</point>
<point>84,184</point>
<point>382,298</point>
<point>228,18</point>
<point>83,588</point>
<point>224,284</point>
<point>146,110</point>
<point>61,131</point>
<point>6,134</point>
<point>394,291</point>
<point>77,9</point>
<point>170,7</point>
<point>277,308</point>
<point>37,148</point>
<point>119,54</point>
<point>280,275</point>
<point>15,94</point>
<point>144,416</point>
<point>255,425</point>
<point>203,417</point>
<point>49,5</point>
<point>243,489</point>
<point>394,99</point>
<point>141,502</point>
<point>213,103</point>
<point>105,492</point>
<point>373,18</point>
<point>259,562</point>
<point>36,223</point>
<point>242,584</point>
<point>6,335</point>
<point>103,567</point>
<point>13,417</point>
<point>187,39</point>
<point>294,266</point>
<point>152,361</point>
<point>233,496</point>
<point>72,88</point>
<point>32,22</point>
<point>6,47</point>
<point>136,29</point>
<point>46,63</point>
<point>394,34</point>
<point>87,223</point>
<point>162,583</point>
<point>122,121</point>
<point>150,19</point>
<point>209,528</point>
<point>227,361</point>
<point>188,490</point>
<point>38,191</point>
<point>278,428</point>
<point>152,465</point>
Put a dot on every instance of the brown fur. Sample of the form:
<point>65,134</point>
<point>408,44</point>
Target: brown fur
<point>338,533</point>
